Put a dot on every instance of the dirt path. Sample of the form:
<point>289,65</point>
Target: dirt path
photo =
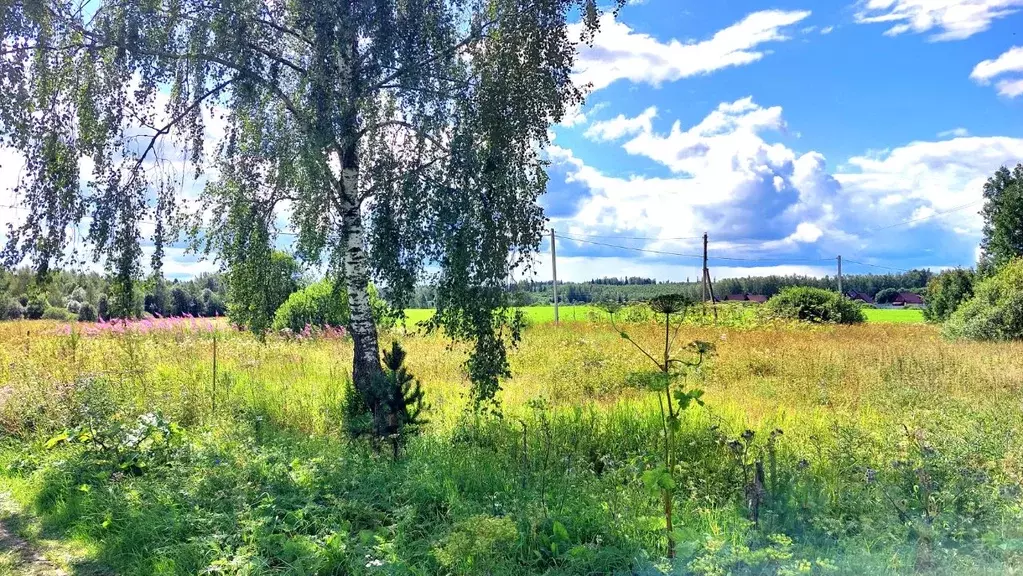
<point>17,556</point>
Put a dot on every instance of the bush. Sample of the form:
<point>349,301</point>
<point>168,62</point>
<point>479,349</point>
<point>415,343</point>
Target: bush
<point>996,310</point>
<point>86,312</point>
<point>316,305</point>
<point>10,308</point>
<point>886,296</point>
<point>946,291</point>
<point>54,313</point>
<point>814,305</point>
<point>37,305</point>
<point>73,306</point>
<point>103,307</point>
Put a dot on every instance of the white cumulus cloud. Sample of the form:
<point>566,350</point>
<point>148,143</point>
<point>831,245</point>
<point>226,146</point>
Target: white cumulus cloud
<point>618,52</point>
<point>952,19</point>
<point>620,126</point>
<point>1010,62</point>
<point>763,201</point>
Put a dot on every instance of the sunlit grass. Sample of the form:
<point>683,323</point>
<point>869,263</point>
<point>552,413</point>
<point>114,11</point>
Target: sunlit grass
<point>843,395</point>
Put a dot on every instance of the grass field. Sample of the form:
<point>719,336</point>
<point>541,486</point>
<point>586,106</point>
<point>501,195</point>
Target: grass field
<point>545,314</point>
<point>895,315</point>
<point>898,453</point>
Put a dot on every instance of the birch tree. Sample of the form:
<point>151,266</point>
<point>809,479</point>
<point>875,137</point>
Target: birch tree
<point>398,140</point>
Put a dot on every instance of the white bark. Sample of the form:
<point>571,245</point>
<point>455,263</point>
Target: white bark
<point>363,329</point>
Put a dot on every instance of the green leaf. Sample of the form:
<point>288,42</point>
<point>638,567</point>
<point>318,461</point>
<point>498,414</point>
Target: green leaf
<point>560,532</point>
<point>57,440</point>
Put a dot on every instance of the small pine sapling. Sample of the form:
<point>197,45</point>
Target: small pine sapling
<point>392,409</point>
<point>402,400</point>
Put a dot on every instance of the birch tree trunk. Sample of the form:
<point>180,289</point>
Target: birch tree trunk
<point>366,362</point>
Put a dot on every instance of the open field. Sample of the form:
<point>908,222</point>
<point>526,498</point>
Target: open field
<point>895,315</point>
<point>899,453</point>
<point>545,314</point>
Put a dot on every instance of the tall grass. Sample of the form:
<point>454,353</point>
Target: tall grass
<point>900,452</point>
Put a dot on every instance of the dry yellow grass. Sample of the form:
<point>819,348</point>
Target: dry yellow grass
<point>866,371</point>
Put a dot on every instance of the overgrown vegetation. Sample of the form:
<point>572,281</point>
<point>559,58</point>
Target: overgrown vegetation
<point>995,312</point>
<point>814,305</point>
<point>946,292</point>
<point>889,463</point>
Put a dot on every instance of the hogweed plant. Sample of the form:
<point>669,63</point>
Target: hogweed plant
<point>674,367</point>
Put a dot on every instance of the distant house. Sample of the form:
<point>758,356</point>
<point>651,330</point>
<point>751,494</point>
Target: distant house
<point>758,298</point>
<point>907,298</point>
<point>861,296</point>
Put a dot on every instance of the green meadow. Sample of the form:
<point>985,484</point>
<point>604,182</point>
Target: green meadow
<point>884,449</point>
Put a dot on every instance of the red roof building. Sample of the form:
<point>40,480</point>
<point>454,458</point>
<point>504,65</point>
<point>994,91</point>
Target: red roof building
<point>861,296</point>
<point>904,298</point>
<point>758,298</point>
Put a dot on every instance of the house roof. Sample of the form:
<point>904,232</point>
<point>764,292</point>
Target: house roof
<point>746,298</point>
<point>854,295</point>
<point>908,298</point>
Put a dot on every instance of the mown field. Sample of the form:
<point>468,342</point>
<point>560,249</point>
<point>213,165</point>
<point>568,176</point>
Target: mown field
<point>886,449</point>
<point>545,314</point>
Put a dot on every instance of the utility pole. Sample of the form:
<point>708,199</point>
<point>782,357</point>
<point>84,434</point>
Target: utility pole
<point>840,274</point>
<point>554,275</point>
<point>706,287</point>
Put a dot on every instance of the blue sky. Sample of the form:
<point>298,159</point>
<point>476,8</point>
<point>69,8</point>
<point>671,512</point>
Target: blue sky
<point>790,131</point>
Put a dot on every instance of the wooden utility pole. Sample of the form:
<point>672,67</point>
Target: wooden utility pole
<point>554,274</point>
<point>708,287</point>
<point>706,276</point>
<point>214,373</point>
<point>840,274</point>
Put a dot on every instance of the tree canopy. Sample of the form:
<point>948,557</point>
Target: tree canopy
<point>1003,218</point>
<point>394,139</point>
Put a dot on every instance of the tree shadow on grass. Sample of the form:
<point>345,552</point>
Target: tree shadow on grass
<point>30,549</point>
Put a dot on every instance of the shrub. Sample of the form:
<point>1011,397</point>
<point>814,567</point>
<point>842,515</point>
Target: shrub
<point>10,308</point>
<point>73,306</point>
<point>86,312</point>
<point>54,313</point>
<point>103,307</point>
<point>317,305</point>
<point>996,310</point>
<point>886,296</point>
<point>15,311</point>
<point>37,305</point>
<point>79,294</point>
<point>814,305</point>
<point>946,291</point>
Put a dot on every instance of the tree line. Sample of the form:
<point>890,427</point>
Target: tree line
<point>534,293</point>
<point>89,296</point>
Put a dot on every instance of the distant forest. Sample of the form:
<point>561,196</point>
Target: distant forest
<point>634,289</point>
<point>22,296</point>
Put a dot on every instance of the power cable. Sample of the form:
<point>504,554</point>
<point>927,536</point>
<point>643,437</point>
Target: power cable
<point>929,216</point>
<point>696,256</point>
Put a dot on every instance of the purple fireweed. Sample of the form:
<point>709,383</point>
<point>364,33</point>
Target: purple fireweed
<point>158,324</point>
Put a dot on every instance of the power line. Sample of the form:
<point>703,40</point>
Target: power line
<point>607,237</point>
<point>665,253</point>
<point>696,256</point>
<point>929,216</point>
<point>876,265</point>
